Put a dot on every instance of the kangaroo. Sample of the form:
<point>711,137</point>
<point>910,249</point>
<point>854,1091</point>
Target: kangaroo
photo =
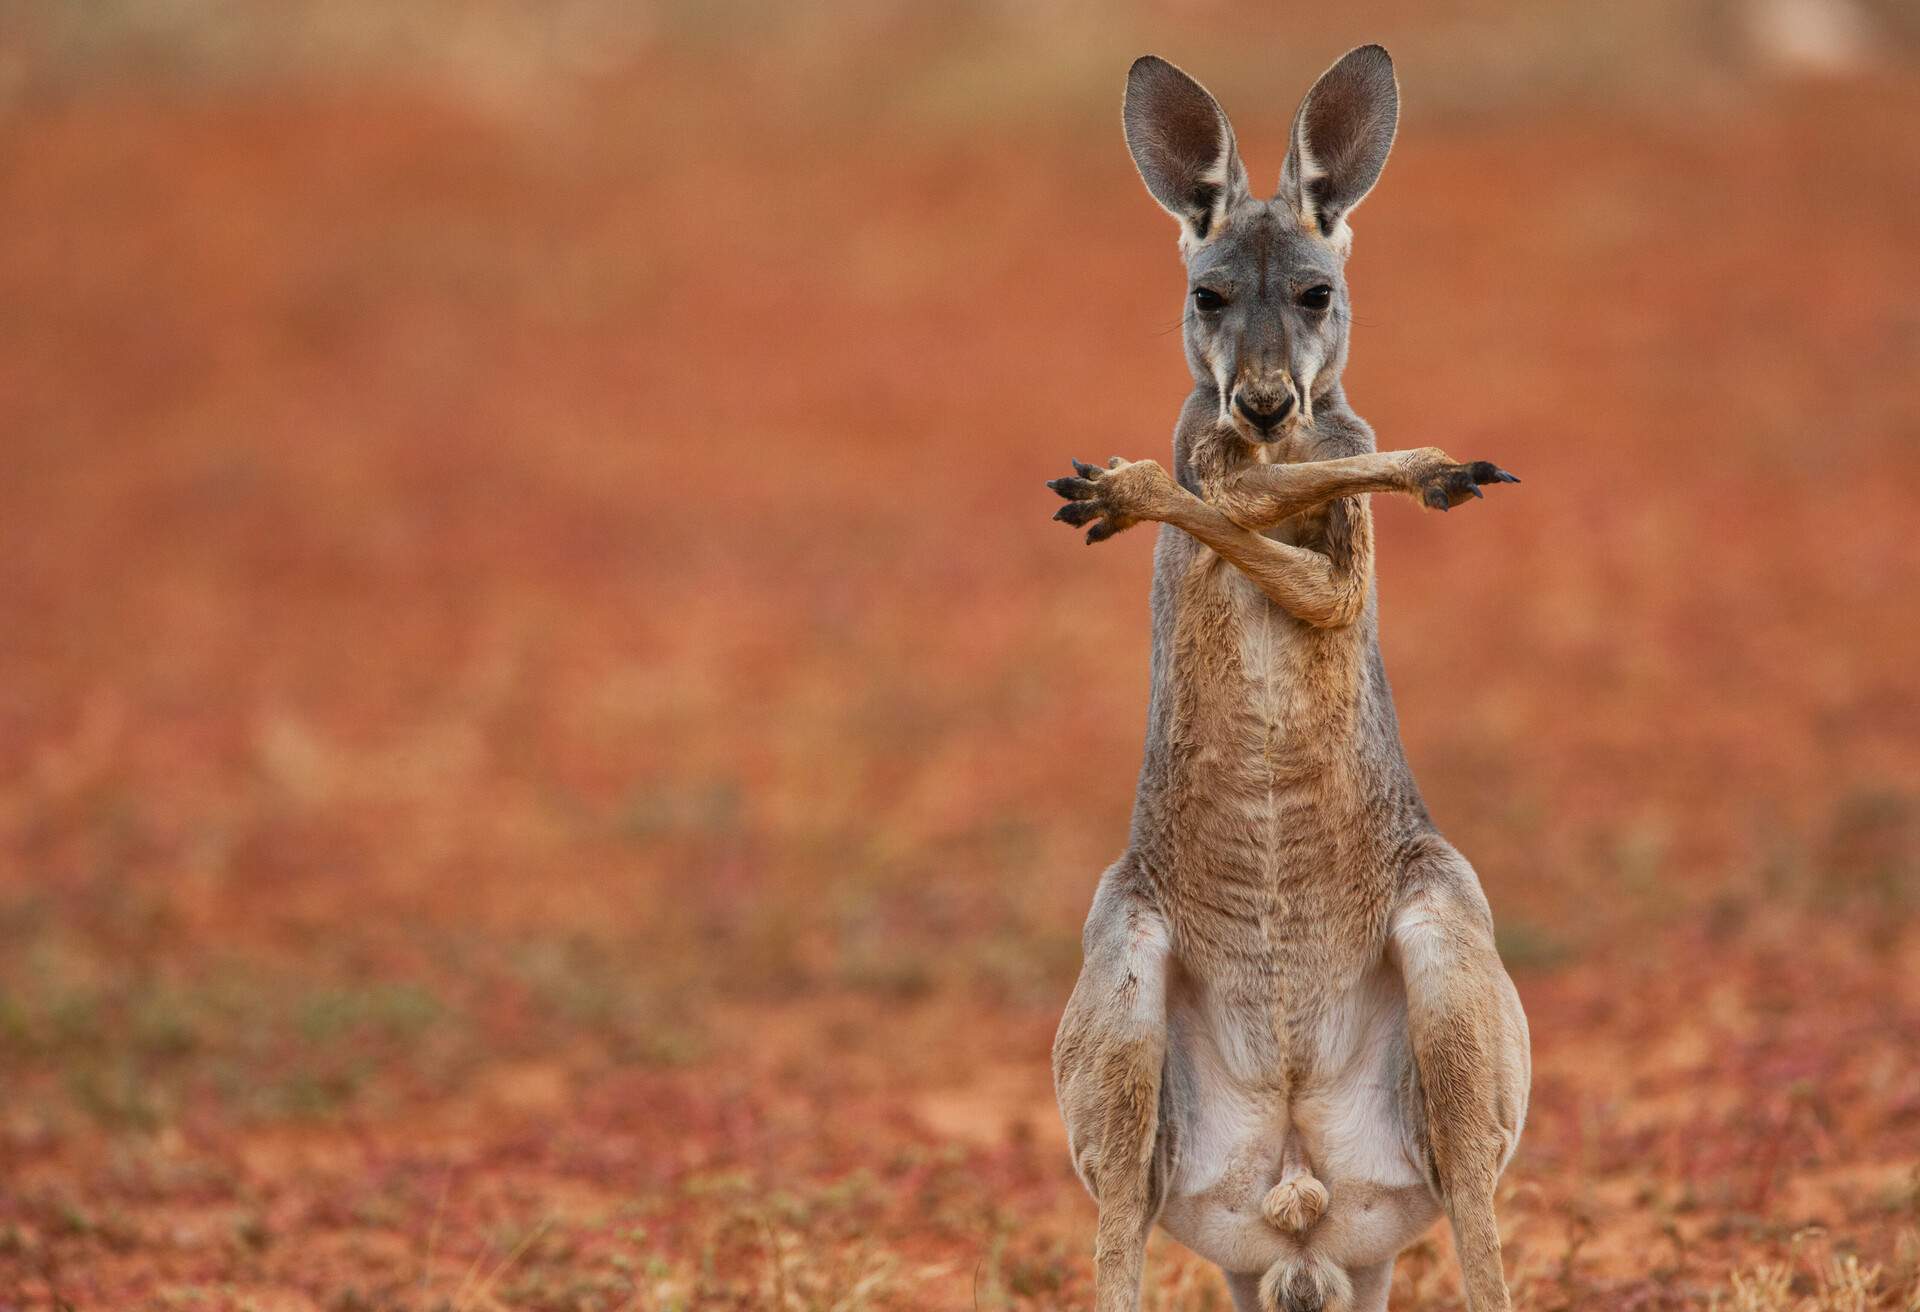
<point>1292,1043</point>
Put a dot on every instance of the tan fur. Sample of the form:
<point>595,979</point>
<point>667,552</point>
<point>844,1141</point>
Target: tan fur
<point>1323,589</point>
<point>1292,1043</point>
<point>1295,1204</point>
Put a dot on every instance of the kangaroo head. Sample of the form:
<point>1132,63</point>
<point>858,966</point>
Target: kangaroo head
<point>1267,312</point>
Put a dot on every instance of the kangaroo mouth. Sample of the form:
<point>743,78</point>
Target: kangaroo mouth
<point>1259,436</point>
<point>1290,442</point>
<point>1264,420</point>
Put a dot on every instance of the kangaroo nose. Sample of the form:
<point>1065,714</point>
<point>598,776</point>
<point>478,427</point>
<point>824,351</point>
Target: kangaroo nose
<point>1264,420</point>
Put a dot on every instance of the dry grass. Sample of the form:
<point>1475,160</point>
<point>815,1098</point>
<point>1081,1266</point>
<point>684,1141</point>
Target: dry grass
<point>1843,1283</point>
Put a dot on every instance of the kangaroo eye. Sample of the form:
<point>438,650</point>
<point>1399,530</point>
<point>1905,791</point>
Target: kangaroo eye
<point>1317,298</point>
<point>1206,298</point>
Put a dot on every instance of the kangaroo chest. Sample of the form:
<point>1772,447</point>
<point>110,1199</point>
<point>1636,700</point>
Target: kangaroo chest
<point>1266,864</point>
<point>1264,711</point>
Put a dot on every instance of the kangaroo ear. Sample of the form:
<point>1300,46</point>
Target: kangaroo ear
<point>1183,146</point>
<point>1341,136</point>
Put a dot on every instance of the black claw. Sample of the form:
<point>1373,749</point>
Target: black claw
<point>1485,471</point>
<point>1085,470</point>
<point>1073,489</point>
<point>1100,532</point>
<point>1476,491</point>
<point>1077,513</point>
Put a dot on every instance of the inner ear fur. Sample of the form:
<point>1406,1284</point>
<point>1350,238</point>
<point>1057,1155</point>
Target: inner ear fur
<point>1183,145</point>
<point>1341,136</point>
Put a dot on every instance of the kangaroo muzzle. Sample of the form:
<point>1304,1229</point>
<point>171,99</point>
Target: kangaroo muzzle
<point>1264,408</point>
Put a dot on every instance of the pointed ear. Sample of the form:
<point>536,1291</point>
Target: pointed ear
<point>1341,136</point>
<point>1183,146</point>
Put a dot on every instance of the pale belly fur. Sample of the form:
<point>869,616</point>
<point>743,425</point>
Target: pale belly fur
<point>1232,1122</point>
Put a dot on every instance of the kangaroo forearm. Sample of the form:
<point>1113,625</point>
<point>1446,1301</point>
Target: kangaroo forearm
<point>1261,496</point>
<point>1326,589</point>
<point>1306,584</point>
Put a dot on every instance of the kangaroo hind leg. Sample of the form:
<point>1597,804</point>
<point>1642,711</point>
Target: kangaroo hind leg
<point>1107,1064</point>
<point>1469,1039</point>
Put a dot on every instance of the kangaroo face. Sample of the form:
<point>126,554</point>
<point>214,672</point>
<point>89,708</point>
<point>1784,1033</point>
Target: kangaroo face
<point>1266,319</point>
<point>1267,313</point>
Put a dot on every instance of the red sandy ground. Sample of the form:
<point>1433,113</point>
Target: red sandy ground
<point>551,757</point>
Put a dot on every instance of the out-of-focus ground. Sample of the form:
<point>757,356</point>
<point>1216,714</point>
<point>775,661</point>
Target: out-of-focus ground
<point>550,756</point>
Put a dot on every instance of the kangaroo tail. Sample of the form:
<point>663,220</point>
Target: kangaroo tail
<point>1306,1283</point>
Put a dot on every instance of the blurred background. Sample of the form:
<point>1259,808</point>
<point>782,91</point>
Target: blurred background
<point>551,757</point>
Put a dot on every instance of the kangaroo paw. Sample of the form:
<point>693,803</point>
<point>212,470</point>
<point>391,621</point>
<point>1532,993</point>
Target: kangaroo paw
<point>1114,498</point>
<point>1448,485</point>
